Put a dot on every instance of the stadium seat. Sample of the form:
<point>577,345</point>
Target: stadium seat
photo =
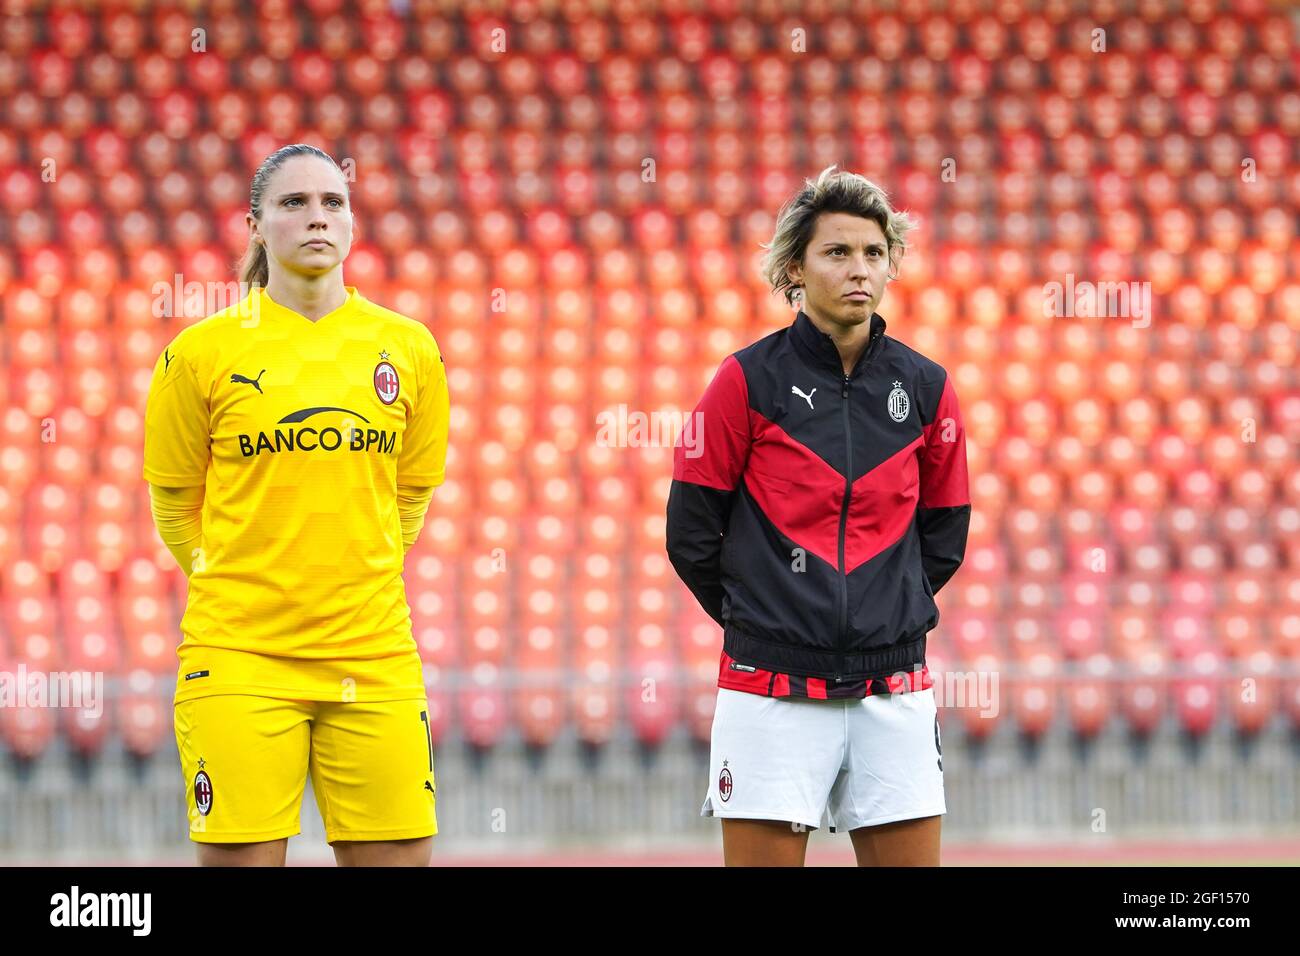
<point>1135,493</point>
<point>481,711</point>
<point>143,714</point>
<point>27,731</point>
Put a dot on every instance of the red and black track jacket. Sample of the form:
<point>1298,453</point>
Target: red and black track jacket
<point>814,515</point>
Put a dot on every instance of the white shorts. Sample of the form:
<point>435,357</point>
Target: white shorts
<point>860,762</point>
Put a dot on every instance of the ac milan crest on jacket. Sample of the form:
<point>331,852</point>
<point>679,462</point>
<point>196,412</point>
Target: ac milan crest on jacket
<point>814,514</point>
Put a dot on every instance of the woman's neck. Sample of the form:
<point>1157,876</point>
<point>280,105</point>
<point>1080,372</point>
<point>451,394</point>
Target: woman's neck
<point>851,341</point>
<point>309,296</point>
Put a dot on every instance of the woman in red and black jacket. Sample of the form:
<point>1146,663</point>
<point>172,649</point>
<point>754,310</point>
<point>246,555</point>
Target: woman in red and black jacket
<point>819,501</point>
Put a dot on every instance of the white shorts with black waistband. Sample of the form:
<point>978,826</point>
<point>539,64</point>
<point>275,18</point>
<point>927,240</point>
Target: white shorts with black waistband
<point>857,762</point>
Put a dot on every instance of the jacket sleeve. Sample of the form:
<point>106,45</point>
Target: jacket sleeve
<point>943,509</point>
<point>708,460</point>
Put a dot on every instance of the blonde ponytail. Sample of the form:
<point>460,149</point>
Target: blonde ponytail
<point>252,268</point>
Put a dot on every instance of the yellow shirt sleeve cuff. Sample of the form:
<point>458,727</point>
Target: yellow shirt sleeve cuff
<point>412,503</point>
<point>178,516</point>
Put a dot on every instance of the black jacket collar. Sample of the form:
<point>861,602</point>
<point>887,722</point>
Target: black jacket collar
<point>820,350</point>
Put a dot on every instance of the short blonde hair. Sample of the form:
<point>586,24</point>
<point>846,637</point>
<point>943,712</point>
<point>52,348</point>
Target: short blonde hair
<point>835,190</point>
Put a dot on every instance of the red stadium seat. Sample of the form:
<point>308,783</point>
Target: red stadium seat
<point>539,702</point>
<point>27,731</point>
<point>482,707</point>
<point>143,715</point>
<point>654,690</point>
<point>1196,704</point>
<point>1135,499</point>
<point>979,717</point>
<point>1144,691</point>
<point>149,634</point>
<point>593,665</point>
<point>87,729</point>
<point>1088,701</point>
<point>1253,699</point>
<point>1033,695</point>
<point>439,703</point>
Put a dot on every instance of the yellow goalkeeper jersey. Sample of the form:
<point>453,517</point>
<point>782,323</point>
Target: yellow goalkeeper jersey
<point>300,432</point>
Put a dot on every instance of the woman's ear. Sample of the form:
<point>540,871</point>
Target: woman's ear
<point>794,272</point>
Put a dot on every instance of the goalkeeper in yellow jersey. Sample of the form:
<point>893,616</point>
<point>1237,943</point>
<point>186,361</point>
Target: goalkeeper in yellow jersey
<point>292,443</point>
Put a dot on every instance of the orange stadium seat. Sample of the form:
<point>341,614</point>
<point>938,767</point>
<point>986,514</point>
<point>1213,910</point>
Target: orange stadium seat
<point>143,715</point>
<point>1165,453</point>
<point>594,669</point>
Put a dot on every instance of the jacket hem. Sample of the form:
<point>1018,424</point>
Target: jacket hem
<point>813,662</point>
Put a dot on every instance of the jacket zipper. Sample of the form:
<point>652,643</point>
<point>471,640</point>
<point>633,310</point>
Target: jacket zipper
<point>844,520</point>
<point>844,514</point>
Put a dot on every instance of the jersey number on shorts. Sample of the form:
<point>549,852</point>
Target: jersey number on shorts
<point>936,742</point>
<point>428,736</point>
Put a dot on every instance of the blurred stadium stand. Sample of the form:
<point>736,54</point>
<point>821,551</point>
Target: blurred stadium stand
<point>1135,545</point>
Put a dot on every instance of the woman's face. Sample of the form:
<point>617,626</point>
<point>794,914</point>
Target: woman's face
<point>844,270</point>
<point>306,222</point>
